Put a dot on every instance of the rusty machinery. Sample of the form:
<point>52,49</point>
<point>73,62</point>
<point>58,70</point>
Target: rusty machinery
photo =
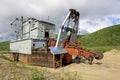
<point>67,40</point>
<point>56,52</point>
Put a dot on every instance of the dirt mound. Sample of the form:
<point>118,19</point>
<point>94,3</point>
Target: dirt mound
<point>106,69</point>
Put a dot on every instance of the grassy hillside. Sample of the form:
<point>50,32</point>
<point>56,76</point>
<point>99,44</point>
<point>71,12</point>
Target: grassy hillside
<point>102,40</point>
<point>4,46</point>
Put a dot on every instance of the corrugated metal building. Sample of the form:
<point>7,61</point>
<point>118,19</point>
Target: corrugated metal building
<point>37,29</point>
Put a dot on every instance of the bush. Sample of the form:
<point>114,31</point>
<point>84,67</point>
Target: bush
<point>37,74</point>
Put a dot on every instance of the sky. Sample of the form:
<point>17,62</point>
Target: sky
<point>94,14</point>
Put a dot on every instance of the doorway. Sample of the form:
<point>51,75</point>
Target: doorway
<point>46,34</point>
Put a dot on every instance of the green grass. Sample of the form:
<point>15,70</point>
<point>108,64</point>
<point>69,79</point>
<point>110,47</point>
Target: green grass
<point>4,57</point>
<point>4,46</point>
<point>37,74</point>
<point>102,40</point>
<point>69,76</point>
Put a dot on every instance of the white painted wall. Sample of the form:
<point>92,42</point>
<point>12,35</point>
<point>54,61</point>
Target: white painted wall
<point>41,31</point>
<point>22,46</point>
<point>36,29</point>
<point>34,33</point>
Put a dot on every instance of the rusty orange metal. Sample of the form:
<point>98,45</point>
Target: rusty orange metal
<point>76,49</point>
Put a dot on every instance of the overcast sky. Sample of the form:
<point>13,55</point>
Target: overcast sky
<point>94,14</point>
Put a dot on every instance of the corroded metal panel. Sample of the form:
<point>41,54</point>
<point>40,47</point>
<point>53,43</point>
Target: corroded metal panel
<point>58,50</point>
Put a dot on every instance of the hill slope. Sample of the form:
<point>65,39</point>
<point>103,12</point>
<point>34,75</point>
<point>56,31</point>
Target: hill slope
<point>107,37</point>
<point>4,46</point>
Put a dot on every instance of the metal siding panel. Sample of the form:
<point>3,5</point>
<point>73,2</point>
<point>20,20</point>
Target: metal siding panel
<point>14,47</point>
<point>39,43</point>
<point>32,22</point>
<point>34,33</point>
<point>23,47</point>
<point>36,24</point>
<point>26,36</point>
<point>58,50</point>
<point>26,27</point>
<point>41,32</point>
<point>52,33</point>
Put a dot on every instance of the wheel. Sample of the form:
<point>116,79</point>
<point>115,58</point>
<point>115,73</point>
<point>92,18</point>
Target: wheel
<point>99,56</point>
